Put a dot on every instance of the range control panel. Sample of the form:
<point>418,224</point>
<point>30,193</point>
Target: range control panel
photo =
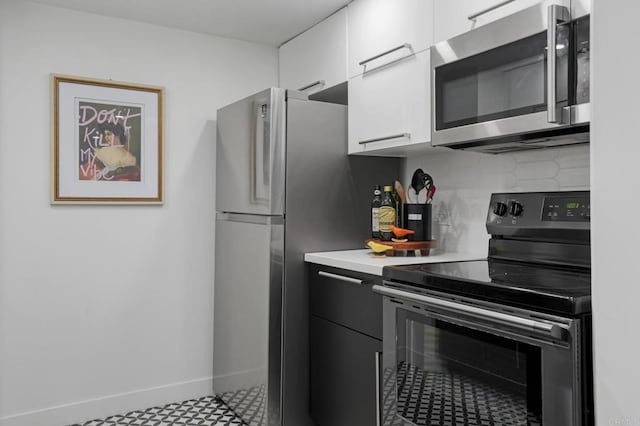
<point>572,209</point>
<point>523,213</point>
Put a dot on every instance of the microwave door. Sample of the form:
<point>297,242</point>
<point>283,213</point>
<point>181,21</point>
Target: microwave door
<point>501,79</point>
<point>581,111</point>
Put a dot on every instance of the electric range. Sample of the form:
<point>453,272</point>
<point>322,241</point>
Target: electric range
<point>507,339</point>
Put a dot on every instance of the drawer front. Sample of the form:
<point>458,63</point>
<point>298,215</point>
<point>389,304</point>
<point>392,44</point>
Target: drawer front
<point>346,298</point>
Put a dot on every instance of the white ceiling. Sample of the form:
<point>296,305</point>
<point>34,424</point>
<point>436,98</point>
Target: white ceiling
<point>264,21</point>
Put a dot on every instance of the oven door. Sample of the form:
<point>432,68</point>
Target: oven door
<point>460,362</point>
<point>501,79</point>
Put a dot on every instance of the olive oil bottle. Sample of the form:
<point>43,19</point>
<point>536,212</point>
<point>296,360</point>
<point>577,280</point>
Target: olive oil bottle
<point>387,214</point>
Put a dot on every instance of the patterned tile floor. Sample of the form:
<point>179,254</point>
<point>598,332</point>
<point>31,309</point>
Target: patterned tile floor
<point>207,411</point>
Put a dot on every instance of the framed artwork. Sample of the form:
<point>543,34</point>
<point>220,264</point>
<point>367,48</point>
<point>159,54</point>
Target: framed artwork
<point>107,142</point>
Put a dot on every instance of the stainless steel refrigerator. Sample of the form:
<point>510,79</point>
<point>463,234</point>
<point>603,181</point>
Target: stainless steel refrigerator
<point>284,186</point>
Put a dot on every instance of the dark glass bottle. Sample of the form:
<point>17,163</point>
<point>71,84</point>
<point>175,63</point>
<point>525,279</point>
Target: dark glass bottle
<point>387,214</point>
<point>399,209</point>
<point>375,212</point>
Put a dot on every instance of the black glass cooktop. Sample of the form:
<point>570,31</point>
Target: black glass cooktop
<point>549,289</point>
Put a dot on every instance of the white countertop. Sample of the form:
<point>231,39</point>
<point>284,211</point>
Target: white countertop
<point>363,260</point>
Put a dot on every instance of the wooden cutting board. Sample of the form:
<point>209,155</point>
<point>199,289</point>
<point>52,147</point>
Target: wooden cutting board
<point>409,248</point>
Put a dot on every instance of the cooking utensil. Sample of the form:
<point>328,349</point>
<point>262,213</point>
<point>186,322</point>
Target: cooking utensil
<point>415,186</point>
<point>422,189</point>
<point>412,197</point>
<point>431,193</point>
<point>401,193</point>
<point>427,181</point>
<point>416,181</point>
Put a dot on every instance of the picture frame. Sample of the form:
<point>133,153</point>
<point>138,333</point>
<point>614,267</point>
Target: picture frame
<point>107,142</point>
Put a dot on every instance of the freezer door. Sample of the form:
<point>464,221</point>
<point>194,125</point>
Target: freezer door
<point>248,316</point>
<point>250,155</point>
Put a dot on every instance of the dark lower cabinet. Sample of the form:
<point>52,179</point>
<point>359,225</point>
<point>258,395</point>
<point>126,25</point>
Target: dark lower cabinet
<point>343,377</point>
<point>345,331</point>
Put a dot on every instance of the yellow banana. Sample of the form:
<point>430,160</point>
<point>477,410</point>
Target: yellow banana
<point>379,248</point>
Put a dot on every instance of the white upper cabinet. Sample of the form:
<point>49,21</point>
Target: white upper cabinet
<point>389,108</point>
<point>381,31</point>
<point>316,59</point>
<point>580,8</point>
<point>454,17</point>
<point>389,76</point>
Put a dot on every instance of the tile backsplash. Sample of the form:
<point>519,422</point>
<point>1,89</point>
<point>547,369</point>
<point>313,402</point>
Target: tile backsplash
<point>466,180</point>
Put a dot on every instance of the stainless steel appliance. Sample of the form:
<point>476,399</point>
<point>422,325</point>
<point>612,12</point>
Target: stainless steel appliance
<point>503,341</point>
<point>520,82</point>
<point>284,186</point>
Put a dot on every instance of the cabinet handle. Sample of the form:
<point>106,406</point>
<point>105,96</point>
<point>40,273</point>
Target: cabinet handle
<point>340,277</point>
<point>385,138</point>
<point>380,55</point>
<point>489,9</point>
<point>378,356</point>
<point>309,86</point>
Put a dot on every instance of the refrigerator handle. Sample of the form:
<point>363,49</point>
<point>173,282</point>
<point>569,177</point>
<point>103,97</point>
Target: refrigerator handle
<point>261,155</point>
<point>266,142</point>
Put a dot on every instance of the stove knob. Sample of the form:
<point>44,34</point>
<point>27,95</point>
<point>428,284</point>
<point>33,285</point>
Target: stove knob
<point>500,208</point>
<point>515,208</point>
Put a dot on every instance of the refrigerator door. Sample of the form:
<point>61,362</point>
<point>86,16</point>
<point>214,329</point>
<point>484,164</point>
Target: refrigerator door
<point>247,316</point>
<point>251,155</point>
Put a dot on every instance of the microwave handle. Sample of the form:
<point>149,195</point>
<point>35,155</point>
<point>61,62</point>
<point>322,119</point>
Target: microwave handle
<point>556,14</point>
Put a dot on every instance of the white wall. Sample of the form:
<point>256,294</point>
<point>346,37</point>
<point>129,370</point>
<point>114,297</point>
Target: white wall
<point>108,308</point>
<point>465,181</point>
<point>615,233</point>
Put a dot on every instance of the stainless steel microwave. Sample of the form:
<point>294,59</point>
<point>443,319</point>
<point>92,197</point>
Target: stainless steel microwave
<point>520,82</point>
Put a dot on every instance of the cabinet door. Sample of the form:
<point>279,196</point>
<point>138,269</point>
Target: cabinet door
<point>316,59</point>
<point>378,26</point>
<point>343,375</point>
<point>389,108</point>
<point>451,18</point>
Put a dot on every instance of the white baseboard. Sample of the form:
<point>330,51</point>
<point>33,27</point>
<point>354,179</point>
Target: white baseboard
<point>81,411</point>
<point>239,380</point>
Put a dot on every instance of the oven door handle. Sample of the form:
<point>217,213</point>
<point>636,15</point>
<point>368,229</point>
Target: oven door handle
<point>378,362</point>
<point>553,330</point>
